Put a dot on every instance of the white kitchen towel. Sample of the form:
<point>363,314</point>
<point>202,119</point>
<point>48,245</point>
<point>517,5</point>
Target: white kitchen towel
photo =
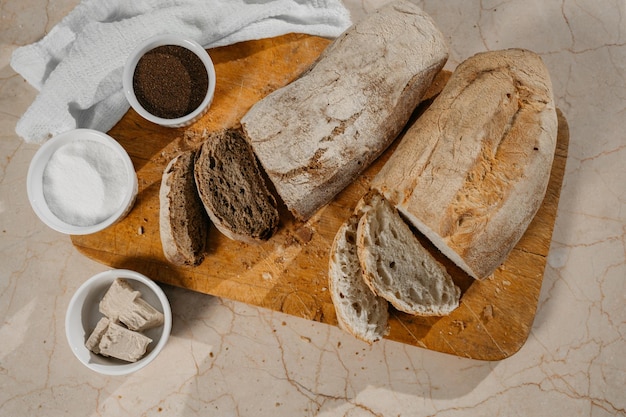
<point>78,66</point>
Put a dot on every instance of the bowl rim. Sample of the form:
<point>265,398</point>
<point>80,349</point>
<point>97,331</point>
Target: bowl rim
<point>154,42</point>
<point>81,352</point>
<point>34,180</point>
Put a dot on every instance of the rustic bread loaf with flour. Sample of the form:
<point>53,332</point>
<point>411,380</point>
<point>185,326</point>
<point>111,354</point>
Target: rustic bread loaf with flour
<point>472,171</point>
<point>359,311</point>
<point>232,188</point>
<point>183,222</point>
<point>314,136</point>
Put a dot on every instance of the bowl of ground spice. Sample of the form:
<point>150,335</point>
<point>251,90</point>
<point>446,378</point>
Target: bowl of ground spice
<point>169,80</point>
<point>81,182</point>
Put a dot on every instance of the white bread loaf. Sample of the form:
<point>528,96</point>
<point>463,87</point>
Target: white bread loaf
<point>360,312</point>
<point>472,171</point>
<point>314,136</point>
<point>398,268</point>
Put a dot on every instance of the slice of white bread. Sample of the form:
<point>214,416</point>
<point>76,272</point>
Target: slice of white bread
<point>232,188</point>
<point>360,312</point>
<point>183,223</point>
<point>398,268</point>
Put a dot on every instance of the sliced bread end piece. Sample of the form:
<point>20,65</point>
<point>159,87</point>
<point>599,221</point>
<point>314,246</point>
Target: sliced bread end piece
<point>398,268</point>
<point>233,190</point>
<point>183,223</point>
<point>360,312</point>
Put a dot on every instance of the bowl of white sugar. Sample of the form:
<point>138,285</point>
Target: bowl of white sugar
<point>81,182</point>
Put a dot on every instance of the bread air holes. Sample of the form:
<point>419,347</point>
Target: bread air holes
<point>384,276</point>
<point>357,308</point>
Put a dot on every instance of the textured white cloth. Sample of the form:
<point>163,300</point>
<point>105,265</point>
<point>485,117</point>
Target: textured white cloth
<point>78,66</point>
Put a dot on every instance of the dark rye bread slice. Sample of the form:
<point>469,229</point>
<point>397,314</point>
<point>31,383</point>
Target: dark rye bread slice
<point>232,188</point>
<point>183,222</point>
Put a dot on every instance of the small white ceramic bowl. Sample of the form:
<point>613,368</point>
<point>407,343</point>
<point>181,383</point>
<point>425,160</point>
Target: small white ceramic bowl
<point>35,181</point>
<point>83,315</point>
<point>154,42</point>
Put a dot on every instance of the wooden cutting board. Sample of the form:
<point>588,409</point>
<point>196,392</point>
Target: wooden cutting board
<point>289,272</point>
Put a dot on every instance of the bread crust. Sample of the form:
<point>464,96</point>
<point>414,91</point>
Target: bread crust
<point>182,244</point>
<point>472,171</point>
<point>314,136</point>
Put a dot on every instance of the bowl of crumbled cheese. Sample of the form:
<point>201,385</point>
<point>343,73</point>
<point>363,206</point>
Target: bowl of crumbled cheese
<point>117,322</point>
<point>81,182</point>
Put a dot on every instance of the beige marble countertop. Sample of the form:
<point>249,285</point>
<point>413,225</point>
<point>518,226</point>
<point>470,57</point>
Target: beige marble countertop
<point>229,359</point>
